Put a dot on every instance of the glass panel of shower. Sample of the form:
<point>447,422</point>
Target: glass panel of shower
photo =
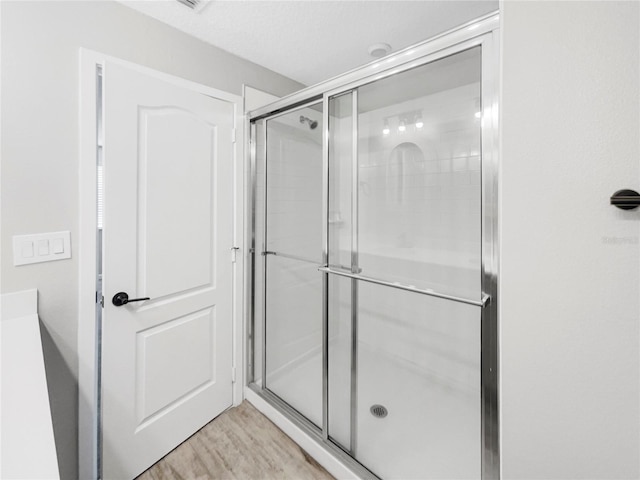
<point>404,212</point>
<point>292,202</point>
<point>371,322</point>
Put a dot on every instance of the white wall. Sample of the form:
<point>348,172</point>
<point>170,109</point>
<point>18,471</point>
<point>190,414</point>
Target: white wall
<point>40,63</point>
<point>569,261</point>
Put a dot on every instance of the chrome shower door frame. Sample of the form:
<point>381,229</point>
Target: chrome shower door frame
<point>483,32</point>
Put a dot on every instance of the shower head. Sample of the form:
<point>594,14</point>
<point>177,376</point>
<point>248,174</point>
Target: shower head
<point>312,123</point>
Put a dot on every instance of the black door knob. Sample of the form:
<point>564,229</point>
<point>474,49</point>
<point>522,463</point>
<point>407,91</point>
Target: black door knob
<point>122,298</point>
<point>626,199</point>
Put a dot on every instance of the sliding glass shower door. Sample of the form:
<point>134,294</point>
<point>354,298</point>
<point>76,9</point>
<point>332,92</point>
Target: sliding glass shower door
<point>405,271</point>
<point>292,253</point>
<point>373,326</point>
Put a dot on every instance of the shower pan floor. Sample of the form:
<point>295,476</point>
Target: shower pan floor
<point>432,430</point>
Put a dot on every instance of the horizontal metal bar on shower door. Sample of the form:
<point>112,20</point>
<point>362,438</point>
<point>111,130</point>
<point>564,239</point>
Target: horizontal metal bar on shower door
<point>478,303</point>
<point>291,257</point>
<point>307,260</point>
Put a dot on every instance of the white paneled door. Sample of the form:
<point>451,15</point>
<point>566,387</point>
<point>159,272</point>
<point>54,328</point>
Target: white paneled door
<point>168,232</point>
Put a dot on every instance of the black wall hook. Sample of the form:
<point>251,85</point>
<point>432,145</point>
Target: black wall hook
<point>626,199</point>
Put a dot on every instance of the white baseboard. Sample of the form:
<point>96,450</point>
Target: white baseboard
<point>334,466</point>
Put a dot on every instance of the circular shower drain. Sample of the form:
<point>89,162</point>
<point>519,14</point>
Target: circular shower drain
<point>378,411</point>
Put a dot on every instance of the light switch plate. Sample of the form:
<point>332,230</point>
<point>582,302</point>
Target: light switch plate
<point>41,247</point>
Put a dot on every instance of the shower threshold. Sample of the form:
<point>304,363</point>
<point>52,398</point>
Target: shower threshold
<point>308,436</point>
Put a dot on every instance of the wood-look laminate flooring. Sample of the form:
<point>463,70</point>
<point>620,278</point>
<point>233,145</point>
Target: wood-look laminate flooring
<point>239,444</point>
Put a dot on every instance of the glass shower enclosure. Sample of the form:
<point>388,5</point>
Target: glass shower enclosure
<point>373,260</point>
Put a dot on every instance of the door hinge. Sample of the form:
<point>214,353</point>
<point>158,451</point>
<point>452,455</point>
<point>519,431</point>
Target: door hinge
<point>233,375</point>
<point>234,254</point>
<point>233,135</point>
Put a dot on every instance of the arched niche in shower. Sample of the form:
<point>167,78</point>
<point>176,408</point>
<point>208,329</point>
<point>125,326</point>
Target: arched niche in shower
<point>405,160</point>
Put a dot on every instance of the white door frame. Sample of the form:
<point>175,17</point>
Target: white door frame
<point>88,394</point>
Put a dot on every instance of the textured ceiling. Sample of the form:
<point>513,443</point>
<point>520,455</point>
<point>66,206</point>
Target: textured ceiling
<point>310,41</point>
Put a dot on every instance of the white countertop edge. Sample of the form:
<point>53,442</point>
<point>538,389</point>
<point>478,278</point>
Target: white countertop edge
<point>27,447</point>
<point>18,304</point>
